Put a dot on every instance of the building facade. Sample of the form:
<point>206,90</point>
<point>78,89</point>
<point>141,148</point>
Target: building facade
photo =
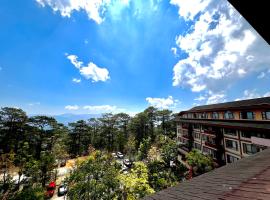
<point>226,131</point>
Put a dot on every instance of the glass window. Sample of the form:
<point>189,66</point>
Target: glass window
<point>231,159</point>
<point>230,132</point>
<point>250,148</point>
<point>210,152</point>
<point>246,134</point>
<point>228,115</point>
<point>246,115</point>
<point>266,115</point>
<point>196,135</point>
<point>196,126</point>
<point>197,146</point>
<point>230,144</point>
<point>215,115</point>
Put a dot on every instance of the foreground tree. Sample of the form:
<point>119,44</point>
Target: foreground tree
<point>94,179</point>
<point>135,184</point>
<point>199,162</point>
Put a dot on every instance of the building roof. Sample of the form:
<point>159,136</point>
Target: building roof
<point>241,124</point>
<point>248,178</point>
<point>243,104</point>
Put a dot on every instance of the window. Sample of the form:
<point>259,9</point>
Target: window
<point>197,146</point>
<point>190,115</point>
<point>266,115</point>
<point>231,159</point>
<point>246,134</point>
<point>231,132</point>
<point>196,135</point>
<point>228,115</point>
<point>230,144</point>
<point>210,152</point>
<point>246,115</point>
<point>215,115</point>
<point>196,126</point>
<point>250,148</point>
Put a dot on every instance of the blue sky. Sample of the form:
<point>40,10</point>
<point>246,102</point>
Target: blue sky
<point>93,56</point>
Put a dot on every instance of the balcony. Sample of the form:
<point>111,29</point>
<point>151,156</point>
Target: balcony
<point>210,144</point>
<point>186,137</point>
<point>183,148</point>
<point>209,132</point>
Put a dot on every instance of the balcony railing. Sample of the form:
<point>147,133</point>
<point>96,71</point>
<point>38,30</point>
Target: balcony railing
<point>210,144</point>
<point>184,147</point>
<point>210,132</point>
<point>186,137</point>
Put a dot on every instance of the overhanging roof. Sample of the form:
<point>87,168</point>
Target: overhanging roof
<point>248,178</point>
<point>243,104</point>
<point>243,124</point>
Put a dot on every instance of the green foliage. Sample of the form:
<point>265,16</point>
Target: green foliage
<point>169,151</point>
<point>135,184</point>
<point>35,193</point>
<point>95,178</point>
<point>160,176</point>
<point>199,162</point>
<point>144,148</point>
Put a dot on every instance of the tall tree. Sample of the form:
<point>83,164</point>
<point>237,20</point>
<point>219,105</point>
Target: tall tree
<point>12,122</point>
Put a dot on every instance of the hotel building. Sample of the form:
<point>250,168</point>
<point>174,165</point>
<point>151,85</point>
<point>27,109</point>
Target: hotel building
<point>226,131</point>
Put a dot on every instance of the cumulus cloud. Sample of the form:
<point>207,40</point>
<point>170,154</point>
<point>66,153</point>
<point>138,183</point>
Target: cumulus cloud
<point>163,103</point>
<point>174,50</point>
<point>220,47</point>
<point>188,9</point>
<point>91,71</point>
<point>76,80</point>
<point>33,104</point>
<point>261,75</point>
<point>252,94</point>
<point>215,97</point>
<point>71,107</point>
<point>101,108</point>
<point>93,8</point>
<point>200,98</point>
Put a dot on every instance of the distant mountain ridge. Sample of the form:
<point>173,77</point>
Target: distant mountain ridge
<point>70,117</point>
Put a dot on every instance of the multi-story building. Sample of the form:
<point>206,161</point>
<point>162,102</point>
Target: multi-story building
<point>226,131</point>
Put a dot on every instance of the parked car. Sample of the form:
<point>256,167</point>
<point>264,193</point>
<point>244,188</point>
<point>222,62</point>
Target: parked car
<point>114,155</point>
<point>50,189</point>
<point>120,155</point>
<point>62,190</point>
<point>127,162</point>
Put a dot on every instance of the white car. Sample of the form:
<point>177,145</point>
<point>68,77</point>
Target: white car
<point>114,155</point>
<point>120,155</point>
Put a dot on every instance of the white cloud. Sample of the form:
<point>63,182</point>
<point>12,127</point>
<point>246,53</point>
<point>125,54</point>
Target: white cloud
<point>91,71</point>
<point>93,8</point>
<point>34,104</point>
<point>241,72</point>
<point>267,94</point>
<point>174,50</point>
<point>200,98</point>
<point>76,80</point>
<point>221,45</point>
<point>71,107</point>
<point>189,8</point>
<point>261,75</point>
<point>74,61</point>
<point>101,108</point>
<point>215,97</point>
<point>252,94</point>
<point>163,103</point>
